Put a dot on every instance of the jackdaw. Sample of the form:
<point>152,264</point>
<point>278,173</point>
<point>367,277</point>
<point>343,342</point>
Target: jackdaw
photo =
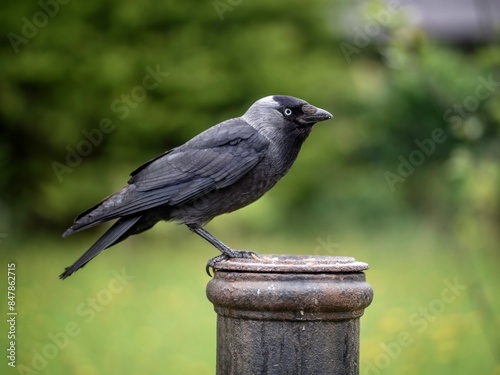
<point>222,169</point>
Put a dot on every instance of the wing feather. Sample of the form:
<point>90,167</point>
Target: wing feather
<point>212,160</point>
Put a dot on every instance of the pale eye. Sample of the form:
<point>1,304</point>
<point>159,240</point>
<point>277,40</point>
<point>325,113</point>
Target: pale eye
<point>288,111</point>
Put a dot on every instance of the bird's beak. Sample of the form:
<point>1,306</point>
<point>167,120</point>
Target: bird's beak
<point>313,114</point>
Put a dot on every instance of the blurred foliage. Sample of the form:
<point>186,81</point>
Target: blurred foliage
<point>88,65</point>
<point>75,82</point>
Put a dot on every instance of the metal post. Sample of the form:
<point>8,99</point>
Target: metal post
<point>289,315</point>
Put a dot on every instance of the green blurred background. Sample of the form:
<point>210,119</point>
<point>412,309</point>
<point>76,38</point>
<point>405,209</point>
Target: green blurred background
<point>405,177</point>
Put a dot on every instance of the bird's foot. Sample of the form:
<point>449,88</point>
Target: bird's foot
<point>233,254</point>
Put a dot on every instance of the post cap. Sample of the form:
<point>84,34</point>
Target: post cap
<point>290,287</point>
<point>293,264</point>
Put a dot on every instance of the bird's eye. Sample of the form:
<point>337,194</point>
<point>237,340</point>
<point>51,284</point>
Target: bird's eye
<point>288,111</point>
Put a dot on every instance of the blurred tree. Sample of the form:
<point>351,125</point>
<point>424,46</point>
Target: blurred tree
<point>90,90</point>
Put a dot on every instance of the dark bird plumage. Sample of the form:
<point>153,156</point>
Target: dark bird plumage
<point>222,169</point>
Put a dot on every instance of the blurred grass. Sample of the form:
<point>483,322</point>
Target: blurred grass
<point>162,323</point>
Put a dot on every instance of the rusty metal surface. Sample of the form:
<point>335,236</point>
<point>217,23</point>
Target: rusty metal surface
<point>290,288</point>
<point>289,314</point>
<point>252,347</point>
<point>293,264</point>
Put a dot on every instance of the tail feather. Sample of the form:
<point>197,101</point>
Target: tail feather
<point>112,236</point>
<point>99,213</point>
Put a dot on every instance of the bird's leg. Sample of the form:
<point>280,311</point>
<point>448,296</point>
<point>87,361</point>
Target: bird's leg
<point>226,251</point>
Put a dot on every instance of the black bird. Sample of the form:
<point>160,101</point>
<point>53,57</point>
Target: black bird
<point>222,169</point>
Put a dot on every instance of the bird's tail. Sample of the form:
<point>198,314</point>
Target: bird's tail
<point>113,235</point>
<point>101,212</point>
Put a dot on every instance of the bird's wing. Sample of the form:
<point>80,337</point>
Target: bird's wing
<point>212,160</point>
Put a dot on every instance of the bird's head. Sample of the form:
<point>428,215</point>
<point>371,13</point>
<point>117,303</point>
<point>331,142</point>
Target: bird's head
<point>284,113</point>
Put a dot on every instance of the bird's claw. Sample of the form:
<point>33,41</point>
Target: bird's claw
<point>234,254</point>
<point>211,262</point>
